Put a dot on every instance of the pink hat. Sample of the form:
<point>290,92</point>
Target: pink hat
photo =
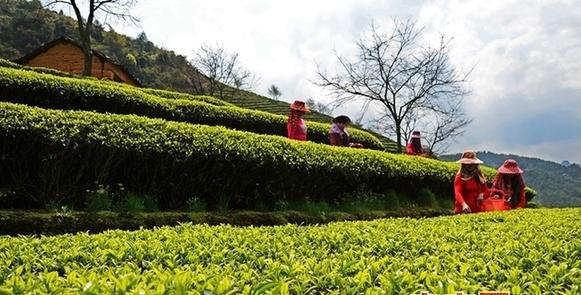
<point>416,134</point>
<point>300,106</point>
<point>510,167</point>
<point>469,157</point>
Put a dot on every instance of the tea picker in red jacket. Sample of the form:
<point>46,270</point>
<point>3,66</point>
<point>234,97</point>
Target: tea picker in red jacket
<point>509,179</point>
<point>469,184</point>
<point>296,127</point>
<point>414,146</point>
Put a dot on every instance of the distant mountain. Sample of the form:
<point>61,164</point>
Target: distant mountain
<point>557,184</point>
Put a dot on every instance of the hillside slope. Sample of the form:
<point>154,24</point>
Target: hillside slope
<point>557,185</point>
<point>25,25</point>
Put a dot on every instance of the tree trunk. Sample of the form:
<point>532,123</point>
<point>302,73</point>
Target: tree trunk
<point>398,136</point>
<point>212,89</point>
<point>85,36</point>
<point>88,63</point>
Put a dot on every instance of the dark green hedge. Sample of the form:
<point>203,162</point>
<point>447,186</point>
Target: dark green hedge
<point>158,92</point>
<point>50,223</point>
<point>56,156</point>
<point>68,84</point>
<point>66,93</point>
<point>530,193</point>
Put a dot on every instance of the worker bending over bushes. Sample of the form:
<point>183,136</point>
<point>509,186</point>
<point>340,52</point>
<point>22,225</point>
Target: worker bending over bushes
<point>414,146</point>
<point>469,184</point>
<point>473,195</point>
<point>338,134</point>
<point>509,180</point>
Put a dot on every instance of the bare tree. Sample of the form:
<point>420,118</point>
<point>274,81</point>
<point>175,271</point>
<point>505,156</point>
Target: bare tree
<point>106,10</point>
<point>319,107</point>
<point>409,124</point>
<point>245,80</point>
<point>444,124</point>
<point>274,92</point>
<point>403,77</point>
<point>223,69</point>
<point>437,125</point>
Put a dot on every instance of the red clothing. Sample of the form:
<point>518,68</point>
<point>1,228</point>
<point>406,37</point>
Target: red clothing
<point>296,129</point>
<point>410,149</point>
<point>508,189</point>
<point>414,147</point>
<point>467,191</point>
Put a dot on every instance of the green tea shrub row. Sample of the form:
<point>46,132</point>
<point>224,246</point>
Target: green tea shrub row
<point>8,64</point>
<point>78,94</point>
<point>45,82</point>
<point>52,155</point>
<point>178,95</point>
<point>522,251</point>
<point>158,92</point>
<point>20,222</point>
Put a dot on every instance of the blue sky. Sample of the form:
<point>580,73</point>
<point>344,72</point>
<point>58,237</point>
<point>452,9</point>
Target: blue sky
<point>526,87</point>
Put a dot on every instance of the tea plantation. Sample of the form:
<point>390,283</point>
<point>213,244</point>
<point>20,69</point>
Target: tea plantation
<point>64,137</point>
<point>107,188</point>
<point>524,251</point>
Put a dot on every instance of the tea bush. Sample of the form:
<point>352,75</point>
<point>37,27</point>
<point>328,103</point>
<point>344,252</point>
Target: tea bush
<point>52,154</point>
<point>158,92</point>
<point>522,251</point>
<point>49,91</point>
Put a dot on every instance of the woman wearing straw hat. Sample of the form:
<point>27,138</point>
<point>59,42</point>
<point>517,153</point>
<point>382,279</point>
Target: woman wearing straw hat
<point>296,127</point>
<point>469,184</point>
<point>509,180</point>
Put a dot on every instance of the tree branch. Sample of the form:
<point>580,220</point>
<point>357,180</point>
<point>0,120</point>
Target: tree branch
<point>410,82</point>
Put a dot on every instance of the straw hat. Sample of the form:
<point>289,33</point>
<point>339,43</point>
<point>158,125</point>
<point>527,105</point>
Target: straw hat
<point>342,119</point>
<point>416,134</point>
<point>469,157</point>
<point>510,167</point>
<point>298,105</point>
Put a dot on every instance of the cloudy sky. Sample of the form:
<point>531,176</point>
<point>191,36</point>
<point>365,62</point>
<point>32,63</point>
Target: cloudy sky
<point>526,87</point>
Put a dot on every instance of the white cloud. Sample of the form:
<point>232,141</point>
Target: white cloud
<point>527,55</point>
<point>526,86</point>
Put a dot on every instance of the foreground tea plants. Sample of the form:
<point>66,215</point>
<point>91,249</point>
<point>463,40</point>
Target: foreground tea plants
<point>524,251</point>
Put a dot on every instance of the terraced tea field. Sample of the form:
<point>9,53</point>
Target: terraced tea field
<point>256,102</point>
